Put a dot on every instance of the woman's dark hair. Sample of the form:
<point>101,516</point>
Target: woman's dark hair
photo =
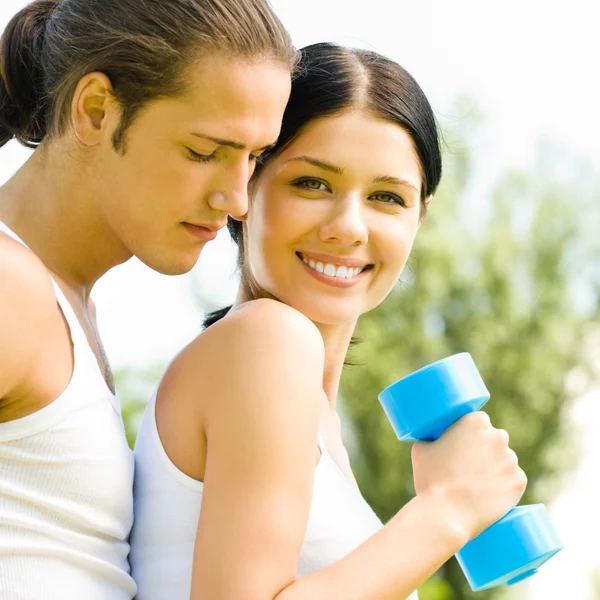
<point>142,46</point>
<point>331,79</point>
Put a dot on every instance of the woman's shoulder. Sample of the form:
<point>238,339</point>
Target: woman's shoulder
<point>261,344</point>
<point>250,376</point>
<point>265,324</point>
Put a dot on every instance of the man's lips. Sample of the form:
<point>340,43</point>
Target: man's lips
<point>205,232</point>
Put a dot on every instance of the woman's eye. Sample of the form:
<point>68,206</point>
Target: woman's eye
<point>200,157</point>
<point>388,198</point>
<point>308,183</point>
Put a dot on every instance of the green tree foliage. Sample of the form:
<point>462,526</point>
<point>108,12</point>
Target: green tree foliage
<point>503,283</point>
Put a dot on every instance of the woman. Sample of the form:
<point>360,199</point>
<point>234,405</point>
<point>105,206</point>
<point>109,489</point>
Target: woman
<point>243,487</point>
<point>148,118</point>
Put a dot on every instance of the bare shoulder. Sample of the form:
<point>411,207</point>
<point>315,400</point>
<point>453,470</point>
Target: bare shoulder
<point>262,345</point>
<point>26,282</point>
<point>27,293</point>
<point>270,323</point>
<point>21,271</point>
<point>27,309</point>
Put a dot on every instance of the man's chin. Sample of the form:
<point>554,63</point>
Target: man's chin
<point>178,265</point>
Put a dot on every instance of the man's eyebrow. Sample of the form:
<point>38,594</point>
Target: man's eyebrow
<point>395,181</point>
<point>230,143</point>
<point>221,142</point>
<point>318,163</point>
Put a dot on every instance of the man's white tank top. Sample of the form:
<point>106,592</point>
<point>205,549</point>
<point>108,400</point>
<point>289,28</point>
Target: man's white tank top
<point>66,477</point>
<point>167,505</point>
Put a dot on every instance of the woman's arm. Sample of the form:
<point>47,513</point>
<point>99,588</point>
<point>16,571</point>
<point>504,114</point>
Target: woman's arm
<point>394,562</point>
<point>263,370</point>
<point>465,481</point>
<point>264,374</point>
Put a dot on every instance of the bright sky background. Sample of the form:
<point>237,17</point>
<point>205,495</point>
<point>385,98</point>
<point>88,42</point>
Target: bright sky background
<point>530,65</point>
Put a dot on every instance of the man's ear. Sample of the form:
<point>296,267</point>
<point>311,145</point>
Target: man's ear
<point>94,109</point>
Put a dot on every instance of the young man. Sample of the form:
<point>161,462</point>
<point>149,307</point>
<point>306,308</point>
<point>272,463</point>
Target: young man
<point>147,118</point>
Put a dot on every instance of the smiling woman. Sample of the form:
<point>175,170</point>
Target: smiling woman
<point>346,212</point>
<point>352,183</point>
<point>243,486</point>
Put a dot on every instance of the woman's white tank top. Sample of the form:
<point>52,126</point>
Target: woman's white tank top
<point>66,476</point>
<point>167,505</point>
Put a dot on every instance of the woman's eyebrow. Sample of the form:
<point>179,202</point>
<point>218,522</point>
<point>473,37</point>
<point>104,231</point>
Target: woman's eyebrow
<point>395,181</point>
<point>318,163</point>
<point>339,171</point>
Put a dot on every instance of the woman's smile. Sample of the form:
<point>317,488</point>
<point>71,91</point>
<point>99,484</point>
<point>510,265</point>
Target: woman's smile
<point>336,271</point>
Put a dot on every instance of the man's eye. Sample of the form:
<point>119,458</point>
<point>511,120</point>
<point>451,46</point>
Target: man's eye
<point>200,157</point>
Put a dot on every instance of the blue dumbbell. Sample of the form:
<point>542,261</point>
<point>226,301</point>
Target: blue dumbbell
<point>421,407</point>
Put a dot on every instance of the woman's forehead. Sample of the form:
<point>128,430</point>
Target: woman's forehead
<point>355,140</point>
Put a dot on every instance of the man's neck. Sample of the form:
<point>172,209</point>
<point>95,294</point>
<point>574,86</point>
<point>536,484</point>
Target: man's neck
<point>48,203</point>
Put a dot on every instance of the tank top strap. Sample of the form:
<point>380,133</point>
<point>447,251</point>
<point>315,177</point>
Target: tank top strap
<point>77,334</point>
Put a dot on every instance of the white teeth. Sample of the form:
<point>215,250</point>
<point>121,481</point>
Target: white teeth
<point>340,271</point>
<point>330,270</point>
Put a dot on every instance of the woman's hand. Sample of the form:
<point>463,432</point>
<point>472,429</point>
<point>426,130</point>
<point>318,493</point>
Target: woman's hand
<point>472,469</point>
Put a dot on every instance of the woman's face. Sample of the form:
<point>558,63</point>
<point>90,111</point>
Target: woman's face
<point>333,218</point>
<point>187,160</point>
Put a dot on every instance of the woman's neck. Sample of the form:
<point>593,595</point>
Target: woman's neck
<point>337,340</point>
<point>48,203</point>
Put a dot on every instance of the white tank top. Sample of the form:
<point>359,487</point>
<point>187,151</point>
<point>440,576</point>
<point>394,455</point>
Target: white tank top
<point>167,509</point>
<point>66,476</point>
